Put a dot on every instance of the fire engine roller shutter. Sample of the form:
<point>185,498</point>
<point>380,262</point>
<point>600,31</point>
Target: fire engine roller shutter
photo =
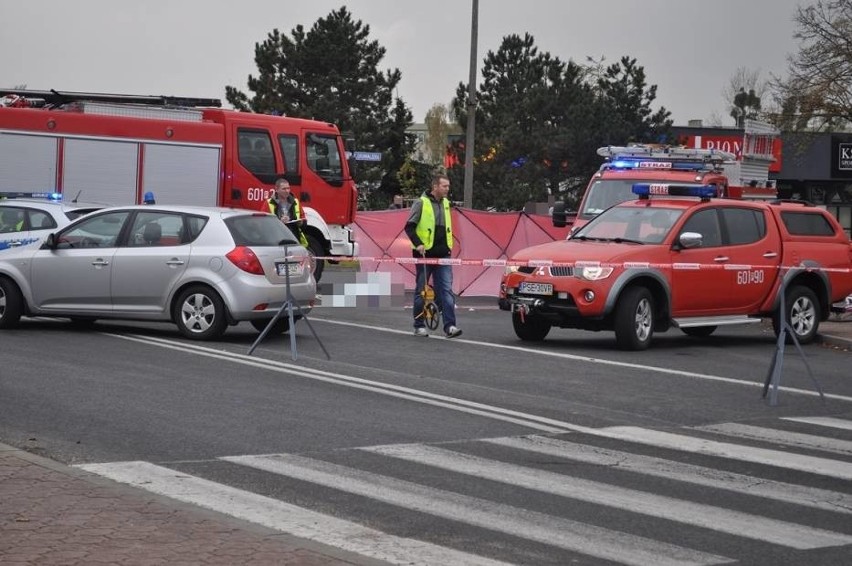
<point>27,163</point>
<point>182,174</point>
<point>101,171</point>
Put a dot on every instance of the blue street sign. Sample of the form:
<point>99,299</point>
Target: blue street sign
<point>368,156</point>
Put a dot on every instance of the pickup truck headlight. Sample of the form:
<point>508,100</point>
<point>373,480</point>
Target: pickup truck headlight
<point>593,273</point>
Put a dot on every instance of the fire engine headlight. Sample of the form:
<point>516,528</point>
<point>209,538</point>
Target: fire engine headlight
<point>593,273</point>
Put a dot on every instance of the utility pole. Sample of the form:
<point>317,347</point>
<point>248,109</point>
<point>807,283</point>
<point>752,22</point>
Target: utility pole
<point>471,110</point>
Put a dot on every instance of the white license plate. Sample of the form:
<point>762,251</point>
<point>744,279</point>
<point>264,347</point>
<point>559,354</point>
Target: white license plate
<point>294,267</point>
<point>535,288</point>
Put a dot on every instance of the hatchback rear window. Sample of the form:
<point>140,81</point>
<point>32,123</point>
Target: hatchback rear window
<point>807,224</point>
<point>75,213</point>
<point>259,230</point>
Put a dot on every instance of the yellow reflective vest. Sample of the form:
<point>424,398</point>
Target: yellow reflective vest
<point>426,227</point>
<point>297,211</point>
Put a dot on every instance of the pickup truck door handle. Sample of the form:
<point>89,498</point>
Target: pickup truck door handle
<point>721,259</point>
<point>770,254</point>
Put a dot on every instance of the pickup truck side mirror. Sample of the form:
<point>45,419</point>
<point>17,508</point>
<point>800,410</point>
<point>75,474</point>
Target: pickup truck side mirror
<point>689,240</point>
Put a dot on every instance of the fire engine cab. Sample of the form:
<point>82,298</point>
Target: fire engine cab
<point>113,149</point>
<point>625,166</point>
<point>680,257</point>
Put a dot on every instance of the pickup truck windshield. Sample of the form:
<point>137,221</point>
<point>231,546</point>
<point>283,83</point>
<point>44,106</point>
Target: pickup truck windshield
<point>646,225</point>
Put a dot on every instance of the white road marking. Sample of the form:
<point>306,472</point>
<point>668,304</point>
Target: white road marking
<point>490,411</point>
<point>571,535</point>
<point>573,357</point>
<point>777,458</point>
<point>282,516</point>
<point>780,437</point>
<point>682,472</point>
<point>686,512</point>
<point>822,421</point>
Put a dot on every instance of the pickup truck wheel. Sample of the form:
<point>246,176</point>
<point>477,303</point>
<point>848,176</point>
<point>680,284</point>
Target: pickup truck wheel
<point>11,304</point>
<point>316,250</point>
<point>802,314</point>
<point>699,331</point>
<point>634,319</point>
<point>281,325</point>
<point>200,313</point>
<point>530,328</point>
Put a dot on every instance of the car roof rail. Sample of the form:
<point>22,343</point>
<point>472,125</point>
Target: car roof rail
<point>791,201</point>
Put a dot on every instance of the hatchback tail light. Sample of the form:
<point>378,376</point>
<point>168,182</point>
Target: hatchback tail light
<point>245,259</point>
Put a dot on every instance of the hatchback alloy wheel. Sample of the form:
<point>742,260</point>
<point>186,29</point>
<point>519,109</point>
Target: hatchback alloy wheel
<point>200,314</point>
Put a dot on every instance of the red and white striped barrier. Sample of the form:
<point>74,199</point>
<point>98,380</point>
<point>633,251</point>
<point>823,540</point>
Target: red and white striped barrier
<point>677,266</point>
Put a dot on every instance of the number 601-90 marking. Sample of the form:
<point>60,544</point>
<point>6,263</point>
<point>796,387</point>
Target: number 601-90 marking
<point>747,277</point>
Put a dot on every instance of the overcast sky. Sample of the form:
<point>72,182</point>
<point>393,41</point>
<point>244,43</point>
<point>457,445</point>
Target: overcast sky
<point>689,48</point>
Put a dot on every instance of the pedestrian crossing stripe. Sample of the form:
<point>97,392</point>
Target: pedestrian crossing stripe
<point>781,437</point>
<point>685,512</point>
<point>822,421</point>
<point>778,458</point>
<point>679,471</point>
<point>558,532</point>
<point>281,516</point>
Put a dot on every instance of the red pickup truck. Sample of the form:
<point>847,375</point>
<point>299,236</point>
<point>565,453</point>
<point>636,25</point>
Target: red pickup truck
<point>678,257</point>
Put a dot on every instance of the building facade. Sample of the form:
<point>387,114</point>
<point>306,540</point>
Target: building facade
<point>812,167</point>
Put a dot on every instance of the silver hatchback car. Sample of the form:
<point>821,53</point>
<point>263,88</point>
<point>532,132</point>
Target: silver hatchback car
<point>200,268</point>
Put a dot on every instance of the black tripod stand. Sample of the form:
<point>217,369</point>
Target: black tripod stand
<point>289,306</point>
<point>773,377</point>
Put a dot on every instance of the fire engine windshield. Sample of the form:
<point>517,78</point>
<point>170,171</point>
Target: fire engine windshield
<point>604,193</point>
<point>645,225</point>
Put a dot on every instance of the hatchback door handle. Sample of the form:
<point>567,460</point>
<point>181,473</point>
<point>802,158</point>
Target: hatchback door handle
<point>770,254</point>
<point>100,263</point>
<point>175,262</point>
<point>721,258</point>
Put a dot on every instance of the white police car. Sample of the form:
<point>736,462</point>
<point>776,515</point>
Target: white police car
<point>27,221</point>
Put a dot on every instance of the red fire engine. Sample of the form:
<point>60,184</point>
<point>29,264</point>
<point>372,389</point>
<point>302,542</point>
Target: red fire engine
<point>112,149</point>
<point>743,174</point>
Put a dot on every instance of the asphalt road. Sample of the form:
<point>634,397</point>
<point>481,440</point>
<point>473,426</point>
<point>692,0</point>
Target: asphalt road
<point>480,448</point>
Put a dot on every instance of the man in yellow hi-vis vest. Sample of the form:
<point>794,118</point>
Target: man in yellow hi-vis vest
<point>430,229</point>
<point>288,209</point>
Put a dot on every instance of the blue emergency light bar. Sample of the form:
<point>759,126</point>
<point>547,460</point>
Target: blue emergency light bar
<point>645,190</point>
<point>647,163</point>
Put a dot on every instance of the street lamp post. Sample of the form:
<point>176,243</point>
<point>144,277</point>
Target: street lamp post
<point>471,110</point>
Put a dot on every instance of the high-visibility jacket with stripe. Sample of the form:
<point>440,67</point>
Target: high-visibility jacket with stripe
<point>426,226</point>
<point>295,227</point>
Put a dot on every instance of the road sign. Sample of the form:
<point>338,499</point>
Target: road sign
<point>368,156</point>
